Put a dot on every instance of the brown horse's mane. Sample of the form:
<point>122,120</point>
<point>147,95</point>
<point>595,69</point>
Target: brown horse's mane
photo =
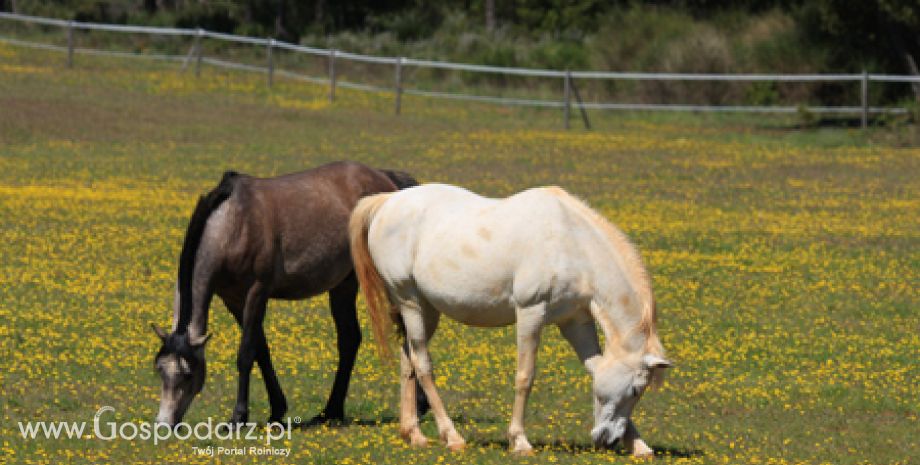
<point>206,205</point>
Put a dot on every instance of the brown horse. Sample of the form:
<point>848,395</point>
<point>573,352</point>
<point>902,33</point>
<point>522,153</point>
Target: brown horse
<point>253,239</point>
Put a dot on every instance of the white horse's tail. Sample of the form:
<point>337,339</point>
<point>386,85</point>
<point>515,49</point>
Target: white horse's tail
<point>378,304</point>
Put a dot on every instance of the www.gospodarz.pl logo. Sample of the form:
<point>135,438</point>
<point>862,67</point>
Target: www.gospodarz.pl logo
<point>107,429</point>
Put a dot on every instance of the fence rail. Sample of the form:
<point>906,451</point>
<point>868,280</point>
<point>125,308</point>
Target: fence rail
<point>568,77</point>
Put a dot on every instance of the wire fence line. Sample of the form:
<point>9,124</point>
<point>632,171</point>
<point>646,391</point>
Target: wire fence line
<point>399,63</point>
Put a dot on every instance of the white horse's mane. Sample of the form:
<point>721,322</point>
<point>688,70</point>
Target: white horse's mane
<point>635,268</point>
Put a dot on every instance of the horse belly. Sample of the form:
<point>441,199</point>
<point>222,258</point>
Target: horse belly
<point>465,266</point>
<point>483,312</point>
<point>310,281</point>
<point>470,298</point>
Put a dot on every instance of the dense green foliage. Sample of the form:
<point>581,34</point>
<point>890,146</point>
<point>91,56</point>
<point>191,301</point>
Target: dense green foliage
<point>676,35</point>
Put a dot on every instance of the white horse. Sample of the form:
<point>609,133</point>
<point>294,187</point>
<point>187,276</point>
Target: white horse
<point>536,258</point>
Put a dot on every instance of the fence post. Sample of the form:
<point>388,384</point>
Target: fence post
<point>331,75</point>
<point>70,44</point>
<point>581,104</point>
<point>399,61</point>
<point>198,52</point>
<point>271,64</point>
<point>864,93</point>
<point>567,97</point>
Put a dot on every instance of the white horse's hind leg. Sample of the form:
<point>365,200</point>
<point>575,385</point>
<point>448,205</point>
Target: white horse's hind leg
<point>408,415</point>
<point>415,321</point>
<point>408,409</point>
<point>529,323</point>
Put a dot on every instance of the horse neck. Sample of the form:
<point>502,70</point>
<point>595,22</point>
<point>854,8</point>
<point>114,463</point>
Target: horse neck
<point>626,332</point>
<point>198,321</point>
<point>628,325</point>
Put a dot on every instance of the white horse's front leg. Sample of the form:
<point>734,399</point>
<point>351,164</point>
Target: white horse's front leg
<point>635,444</point>
<point>421,361</point>
<point>529,324</point>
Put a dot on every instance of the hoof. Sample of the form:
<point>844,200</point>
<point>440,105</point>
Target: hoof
<point>640,450</point>
<point>644,454</point>
<point>519,445</point>
<point>455,442</point>
<point>325,419</point>
<point>457,446</point>
<point>238,418</point>
<point>523,452</point>
<point>277,413</point>
<point>414,437</point>
<point>418,440</point>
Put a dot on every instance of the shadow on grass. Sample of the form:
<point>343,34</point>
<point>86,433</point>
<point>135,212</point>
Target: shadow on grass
<point>348,421</point>
<point>316,422</point>
<point>581,447</point>
<point>837,122</point>
<point>559,446</point>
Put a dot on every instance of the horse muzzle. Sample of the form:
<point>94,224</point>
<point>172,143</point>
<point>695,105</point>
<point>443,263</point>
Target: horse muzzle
<point>606,435</point>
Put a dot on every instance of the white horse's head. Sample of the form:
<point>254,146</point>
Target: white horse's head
<point>618,385</point>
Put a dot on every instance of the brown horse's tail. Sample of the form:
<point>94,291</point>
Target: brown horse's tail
<point>401,179</point>
<point>375,293</point>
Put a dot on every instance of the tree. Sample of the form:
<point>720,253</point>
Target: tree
<point>866,34</point>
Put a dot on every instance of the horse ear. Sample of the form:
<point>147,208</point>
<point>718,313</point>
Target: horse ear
<point>198,341</point>
<point>159,332</point>
<point>654,361</point>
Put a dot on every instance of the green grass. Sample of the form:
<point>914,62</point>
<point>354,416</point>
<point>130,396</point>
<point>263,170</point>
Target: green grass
<point>784,262</point>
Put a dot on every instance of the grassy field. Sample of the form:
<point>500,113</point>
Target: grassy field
<point>785,264</point>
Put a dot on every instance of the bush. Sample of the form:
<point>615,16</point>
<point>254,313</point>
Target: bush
<point>628,38</point>
<point>559,55</point>
<point>206,17</point>
<point>407,25</point>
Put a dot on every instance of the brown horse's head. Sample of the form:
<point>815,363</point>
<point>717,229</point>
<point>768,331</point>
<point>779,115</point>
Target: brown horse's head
<point>180,363</point>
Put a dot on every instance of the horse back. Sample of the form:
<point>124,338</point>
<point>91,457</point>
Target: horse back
<point>476,258</point>
<point>290,231</point>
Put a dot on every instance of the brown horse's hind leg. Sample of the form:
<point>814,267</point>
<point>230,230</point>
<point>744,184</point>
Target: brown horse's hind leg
<point>348,334</point>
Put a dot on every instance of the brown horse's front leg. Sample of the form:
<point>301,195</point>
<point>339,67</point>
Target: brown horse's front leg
<point>348,335</point>
<point>263,358</point>
<point>253,316</point>
<point>275,394</point>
